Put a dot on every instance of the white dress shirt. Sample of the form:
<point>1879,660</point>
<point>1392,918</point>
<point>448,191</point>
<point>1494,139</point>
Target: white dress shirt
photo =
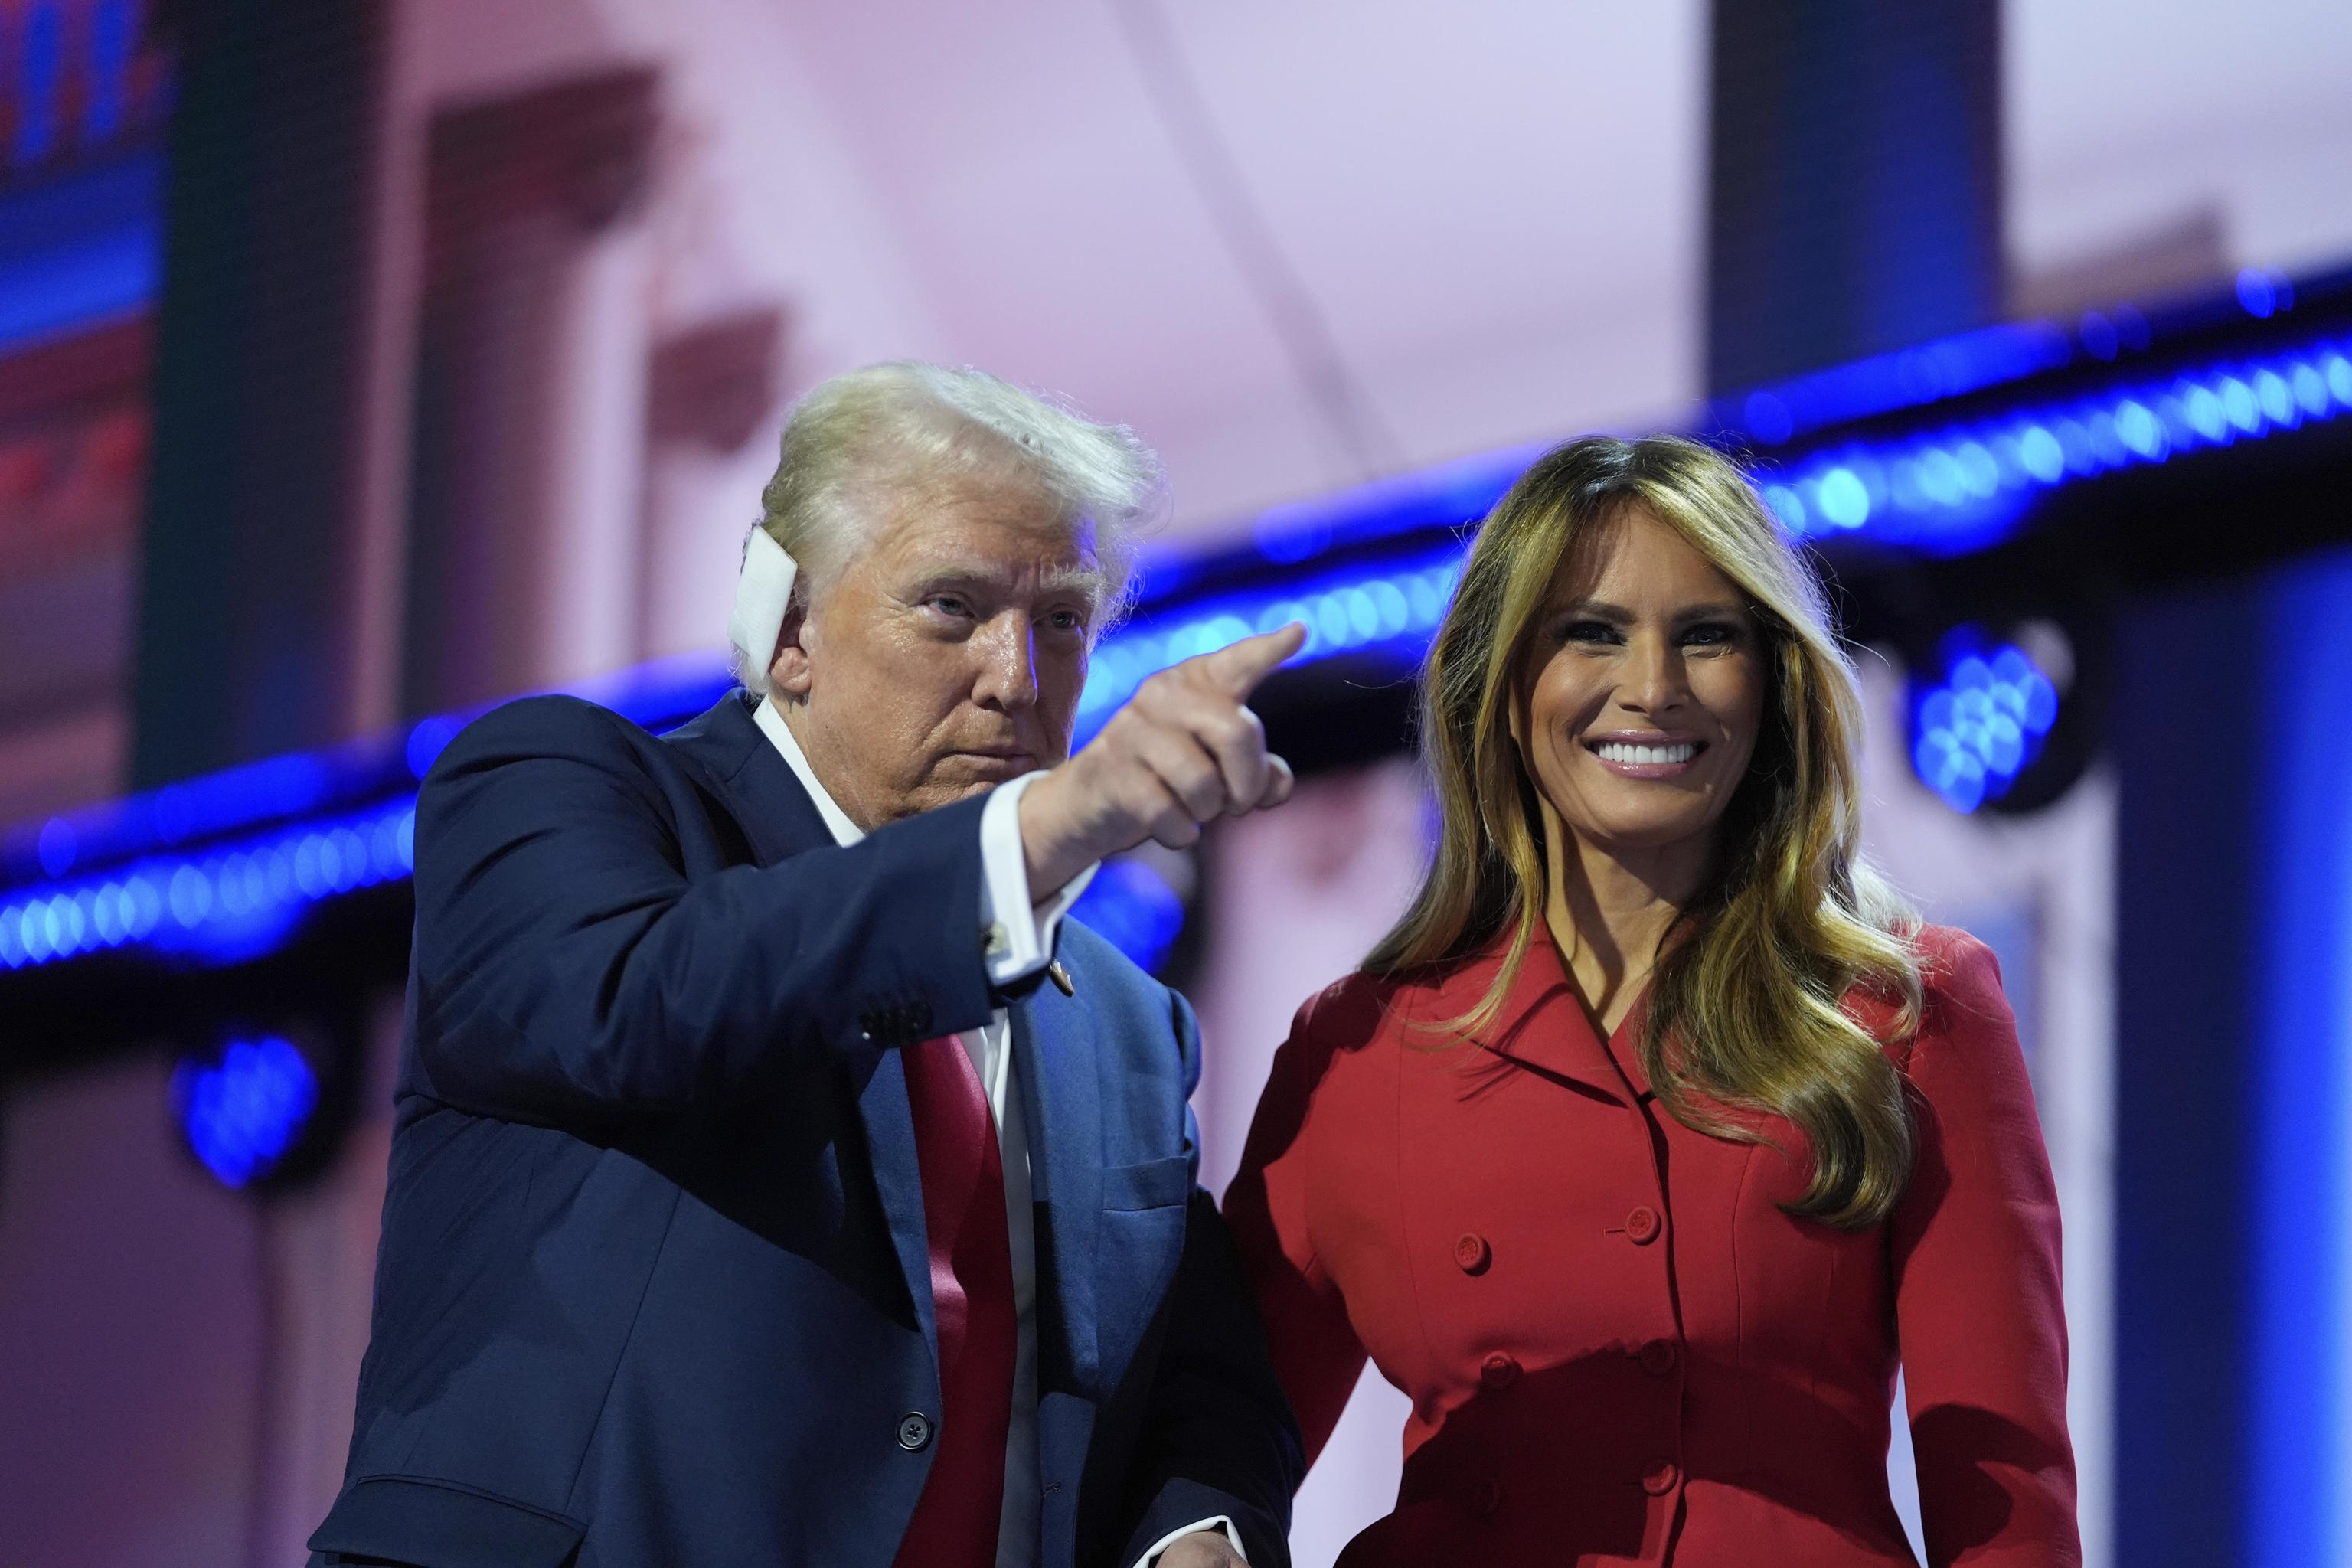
<point>1021,941</point>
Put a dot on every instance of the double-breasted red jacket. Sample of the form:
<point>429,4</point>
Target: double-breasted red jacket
<point>1619,1348</point>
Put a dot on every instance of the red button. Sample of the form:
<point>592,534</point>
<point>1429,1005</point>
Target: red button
<point>1499,1370</point>
<point>1641,1226</point>
<point>1473,1254</point>
<point>1486,1496</point>
<point>1660,1478</point>
<point>1658,1357</point>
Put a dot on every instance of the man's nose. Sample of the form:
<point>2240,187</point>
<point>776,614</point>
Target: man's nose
<point>1008,658</point>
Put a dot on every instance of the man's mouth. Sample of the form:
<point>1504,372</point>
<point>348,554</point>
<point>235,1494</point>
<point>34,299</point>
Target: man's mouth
<point>1010,762</point>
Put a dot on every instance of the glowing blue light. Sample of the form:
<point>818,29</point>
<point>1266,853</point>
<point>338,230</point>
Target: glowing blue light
<point>239,900</point>
<point>2038,451</point>
<point>2262,291</point>
<point>426,741</point>
<point>1768,417</point>
<point>1131,907</point>
<point>1973,733</point>
<point>2098,335</point>
<point>2137,429</point>
<point>242,1114</point>
<point>1787,506</point>
<point>1842,499</point>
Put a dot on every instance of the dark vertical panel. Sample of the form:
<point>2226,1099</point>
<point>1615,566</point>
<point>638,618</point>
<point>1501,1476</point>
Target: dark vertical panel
<point>2188,852</point>
<point>518,188</point>
<point>1853,179</point>
<point>241,648</point>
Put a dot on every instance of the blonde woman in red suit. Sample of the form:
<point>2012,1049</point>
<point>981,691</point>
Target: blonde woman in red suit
<point>1657,1133</point>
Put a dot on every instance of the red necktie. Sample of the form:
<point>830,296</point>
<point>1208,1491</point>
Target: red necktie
<point>962,1173</point>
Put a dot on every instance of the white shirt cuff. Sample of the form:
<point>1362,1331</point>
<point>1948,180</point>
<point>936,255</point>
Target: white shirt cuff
<point>1019,929</point>
<point>1173,1536</point>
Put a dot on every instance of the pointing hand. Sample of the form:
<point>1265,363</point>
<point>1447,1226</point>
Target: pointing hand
<point>1184,750</point>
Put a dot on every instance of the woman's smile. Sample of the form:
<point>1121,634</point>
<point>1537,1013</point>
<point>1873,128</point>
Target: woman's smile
<point>1637,754</point>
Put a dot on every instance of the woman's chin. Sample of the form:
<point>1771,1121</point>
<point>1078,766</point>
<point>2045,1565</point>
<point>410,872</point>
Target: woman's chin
<point>1648,833</point>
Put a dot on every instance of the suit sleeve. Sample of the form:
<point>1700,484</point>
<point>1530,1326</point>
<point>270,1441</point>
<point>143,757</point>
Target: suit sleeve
<point>1217,1438</point>
<point>567,971</point>
<point>1975,1248</point>
<point>1316,1352</point>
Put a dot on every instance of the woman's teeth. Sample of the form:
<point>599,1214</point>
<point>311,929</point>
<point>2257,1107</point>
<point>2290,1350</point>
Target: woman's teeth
<point>1619,752</point>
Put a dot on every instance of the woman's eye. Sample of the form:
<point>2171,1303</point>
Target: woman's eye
<point>1712,634</point>
<point>1589,632</point>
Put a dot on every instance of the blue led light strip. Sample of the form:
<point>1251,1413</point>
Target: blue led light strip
<point>235,901</point>
<point>1960,487</point>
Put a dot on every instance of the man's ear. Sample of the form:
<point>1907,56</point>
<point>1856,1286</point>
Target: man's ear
<point>788,672</point>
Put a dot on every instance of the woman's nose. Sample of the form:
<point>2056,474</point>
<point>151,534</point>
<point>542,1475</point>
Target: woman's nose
<point>1653,677</point>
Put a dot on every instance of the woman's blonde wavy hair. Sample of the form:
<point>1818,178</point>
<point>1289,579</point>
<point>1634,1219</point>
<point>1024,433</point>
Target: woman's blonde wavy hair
<point>1747,996</point>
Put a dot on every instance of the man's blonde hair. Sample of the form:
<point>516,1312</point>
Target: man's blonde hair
<point>856,445</point>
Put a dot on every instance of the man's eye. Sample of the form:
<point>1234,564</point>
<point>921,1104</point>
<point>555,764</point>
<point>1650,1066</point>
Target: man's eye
<point>949,605</point>
<point>1065,621</point>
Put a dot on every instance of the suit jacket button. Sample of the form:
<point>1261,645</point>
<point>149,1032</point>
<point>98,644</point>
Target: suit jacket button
<point>1486,1496</point>
<point>1641,1226</point>
<point>1658,1357</point>
<point>1472,1254</point>
<point>1660,1478</point>
<point>1498,1371</point>
<point>914,1431</point>
<point>918,1020</point>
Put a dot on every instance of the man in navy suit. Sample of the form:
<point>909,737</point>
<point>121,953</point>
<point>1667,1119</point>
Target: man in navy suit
<point>751,1200</point>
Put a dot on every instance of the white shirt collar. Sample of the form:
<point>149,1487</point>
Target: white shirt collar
<point>772,724</point>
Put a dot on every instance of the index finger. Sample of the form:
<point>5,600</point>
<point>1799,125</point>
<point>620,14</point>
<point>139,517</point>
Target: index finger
<point>1237,667</point>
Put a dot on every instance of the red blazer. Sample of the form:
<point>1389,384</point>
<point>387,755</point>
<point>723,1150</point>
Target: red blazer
<point>1618,1348</point>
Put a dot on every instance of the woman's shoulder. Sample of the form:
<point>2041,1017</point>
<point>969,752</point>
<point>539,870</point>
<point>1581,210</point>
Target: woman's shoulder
<point>1350,1012</point>
<point>1365,1005</point>
<point>1956,970</point>
<point>1961,1005</point>
<point>1960,985</point>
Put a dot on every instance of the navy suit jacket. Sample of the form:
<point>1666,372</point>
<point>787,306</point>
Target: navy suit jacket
<point>653,1286</point>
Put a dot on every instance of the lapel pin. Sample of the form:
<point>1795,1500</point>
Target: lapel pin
<point>1061,978</point>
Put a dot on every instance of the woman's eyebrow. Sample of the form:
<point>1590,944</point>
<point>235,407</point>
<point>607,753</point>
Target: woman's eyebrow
<point>1618,615</point>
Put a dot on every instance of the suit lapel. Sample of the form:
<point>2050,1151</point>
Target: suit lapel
<point>742,767</point>
<point>1054,1060</point>
<point>899,1180</point>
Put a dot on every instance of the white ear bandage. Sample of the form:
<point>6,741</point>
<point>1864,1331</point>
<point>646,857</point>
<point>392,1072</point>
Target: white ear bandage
<point>762,594</point>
